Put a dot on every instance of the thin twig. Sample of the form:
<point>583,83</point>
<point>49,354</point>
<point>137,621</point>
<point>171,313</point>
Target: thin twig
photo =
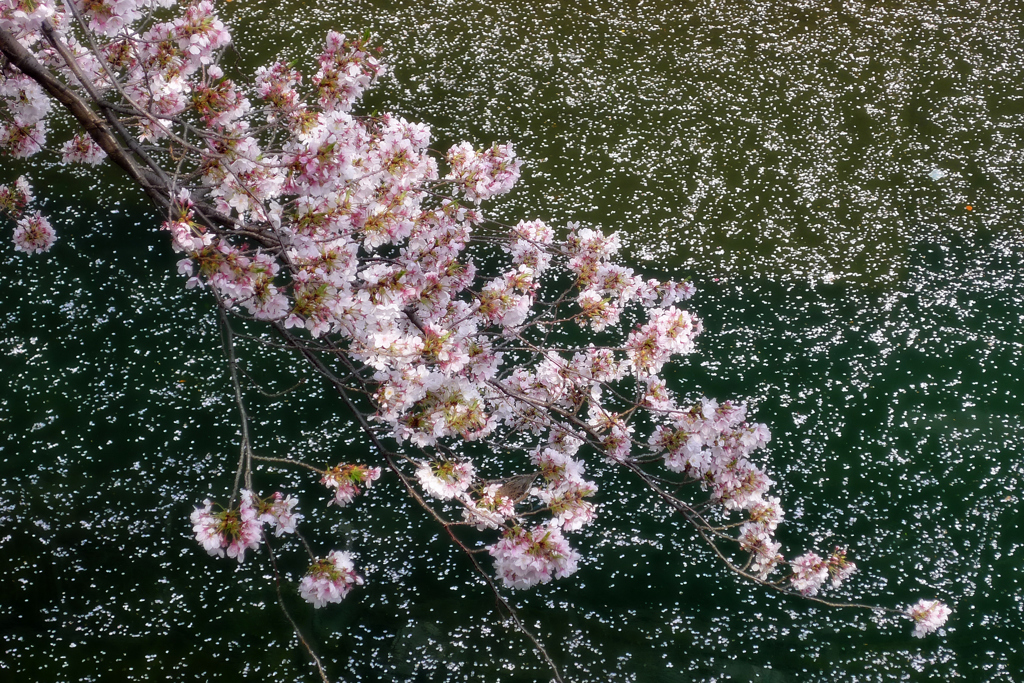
<point>288,616</point>
<point>245,455</point>
<point>471,554</point>
<point>297,463</point>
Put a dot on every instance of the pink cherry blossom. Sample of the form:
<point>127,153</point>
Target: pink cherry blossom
<point>346,69</point>
<point>557,466</point>
<point>839,567</point>
<point>279,512</point>
<point>229,532</point>
<point>22,138</point>
<point>523,559</point>
<point>566,503</point>
<point>25,14</point>
<point>33,234</point>
<point>82,149</point>
<point>108,17</point>
<point>766,513</point>
<point>757,540</point>
<point>277,85</point>
<point>483,174</point>
<point>809,573</point>
<point>14,198</point>
<point>928,616</point>
<point>490,510</point>
<point>445,480</point>
<point>346,481</point>
<point>329,579</point>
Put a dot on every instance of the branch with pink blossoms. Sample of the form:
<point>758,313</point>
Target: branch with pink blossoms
<point>457,345</point>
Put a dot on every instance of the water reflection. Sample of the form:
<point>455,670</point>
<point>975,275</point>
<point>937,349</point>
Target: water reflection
<point>778,153</point>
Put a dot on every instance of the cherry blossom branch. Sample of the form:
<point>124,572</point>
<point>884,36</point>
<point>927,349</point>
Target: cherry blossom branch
<point>471,554</point>
<point>389,459</point>
<point>72,64</point>
<point>245,456</point>
<point>93,124</point>
<point>703,529</point>
<point>287,615</point>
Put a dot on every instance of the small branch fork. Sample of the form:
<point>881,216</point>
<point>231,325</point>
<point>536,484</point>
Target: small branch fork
<point>390,457</point>
<point>448,527</point>
<point>295,627</point>
<point>97,127</point>
<point>246,457</point>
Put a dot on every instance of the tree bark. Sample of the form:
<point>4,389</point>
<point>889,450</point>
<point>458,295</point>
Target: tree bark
<point>93,123</point>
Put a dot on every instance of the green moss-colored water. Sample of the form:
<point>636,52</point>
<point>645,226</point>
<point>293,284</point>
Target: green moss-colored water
<point>778,154</point>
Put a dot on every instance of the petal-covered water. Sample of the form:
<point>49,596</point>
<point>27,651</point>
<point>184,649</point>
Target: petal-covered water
<point>843,183</point>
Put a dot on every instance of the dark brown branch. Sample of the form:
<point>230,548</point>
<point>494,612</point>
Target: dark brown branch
<point>287,614</point>
<point>94,124</point>
<point>471,554</point>
<point>245,455</point>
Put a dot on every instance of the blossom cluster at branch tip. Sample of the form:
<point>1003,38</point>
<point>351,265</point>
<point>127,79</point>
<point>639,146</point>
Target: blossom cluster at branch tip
<point>482,174</point>
<point>928,616</point>
<point>524,558</point>
<point>15,197</point>
<point>82,149</point>
<point>348,482</point>
<point>810,571</point>
<point>33,233</point>
<point>233,531</point>
<point>329,579</point>
<point>24,129</point>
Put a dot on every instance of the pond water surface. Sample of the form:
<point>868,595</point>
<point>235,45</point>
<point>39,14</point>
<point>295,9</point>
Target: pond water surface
<point>842,181</point>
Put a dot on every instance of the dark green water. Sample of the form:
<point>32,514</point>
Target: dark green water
<point>776,153</point>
